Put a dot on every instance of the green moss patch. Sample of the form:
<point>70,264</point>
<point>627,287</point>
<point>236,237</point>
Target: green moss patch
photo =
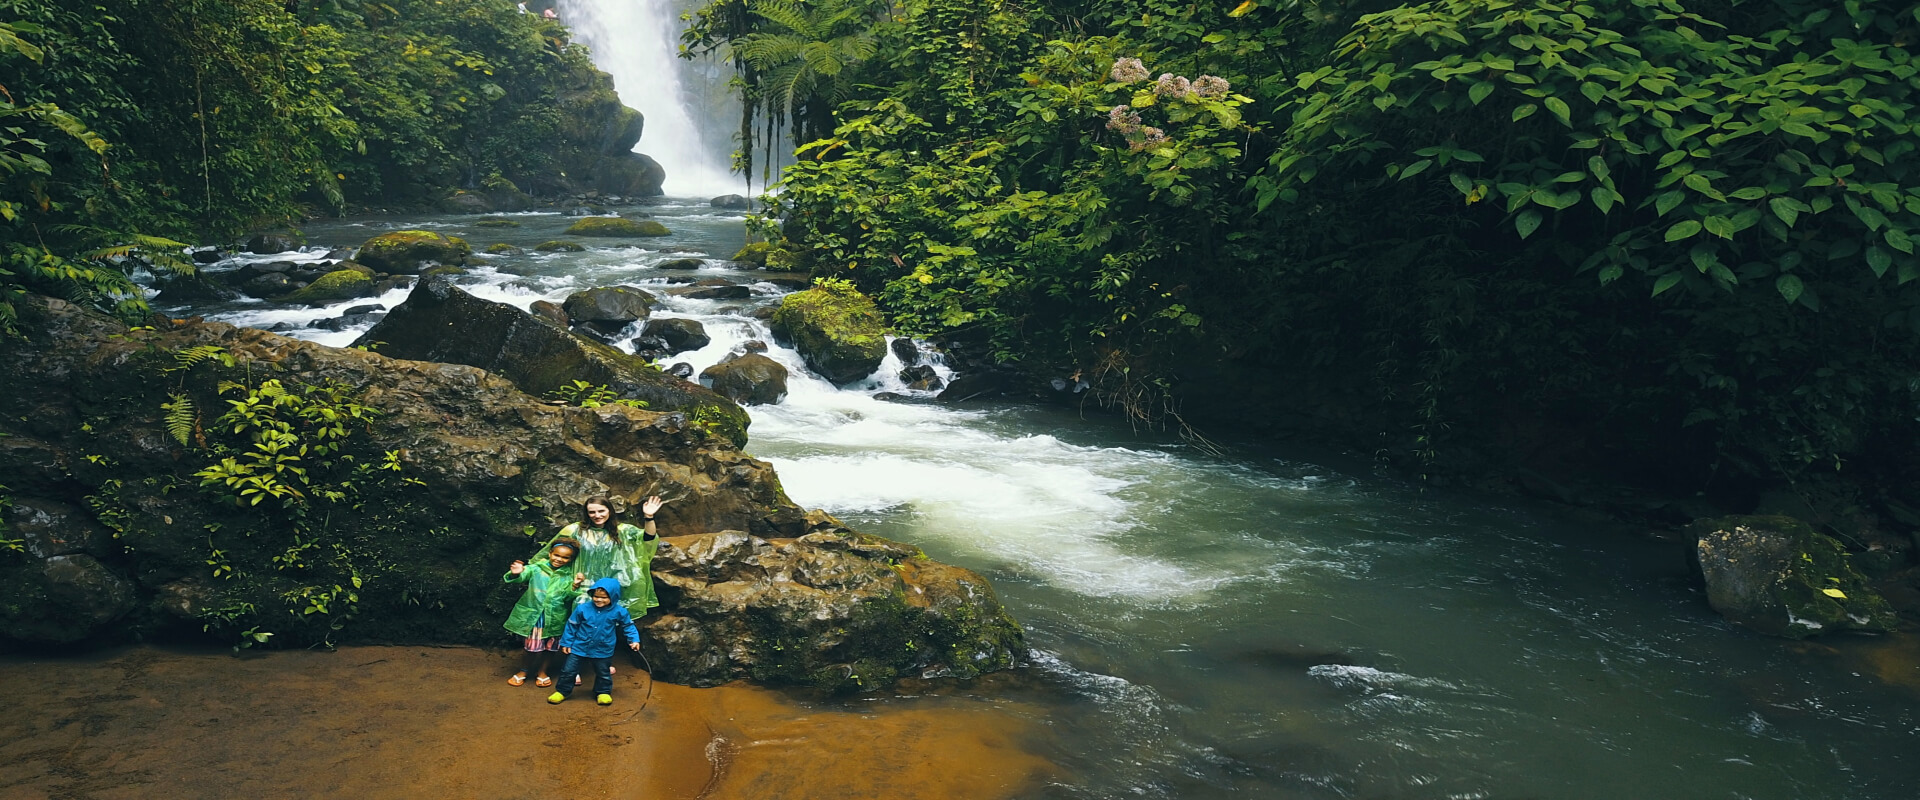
<point>617,226</point>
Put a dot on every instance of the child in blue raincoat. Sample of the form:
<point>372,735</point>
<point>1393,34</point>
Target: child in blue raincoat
<point>593,630</point>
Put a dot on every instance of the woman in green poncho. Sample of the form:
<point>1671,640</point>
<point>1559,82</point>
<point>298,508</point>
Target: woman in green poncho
<point>613,549</point>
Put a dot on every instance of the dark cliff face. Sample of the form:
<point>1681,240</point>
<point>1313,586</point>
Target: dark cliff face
<point>219,482</point>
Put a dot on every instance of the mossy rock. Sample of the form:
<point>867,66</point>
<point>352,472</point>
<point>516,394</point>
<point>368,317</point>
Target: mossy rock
<point>333,287</point>
<point>503,249</point>
<point>1776,575</point>
<point>836,329</point>
<point>616,226</point>
<point>496,222</point>
<point>445,271</point>
<point>558,246</point>
<point>409,252</point>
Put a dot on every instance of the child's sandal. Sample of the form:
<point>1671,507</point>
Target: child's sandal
<point>543,682</point>
<point>518,680</point>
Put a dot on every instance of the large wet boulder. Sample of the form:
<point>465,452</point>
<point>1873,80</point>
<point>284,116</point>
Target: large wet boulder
<point>410,252</point>
<point>679,334</point>
<point>268,244</point>
<point>452,469</point>
<point>334,287</point>
<point>608,309</point>
<point>753,380</point>
<point>833,609</point>
<point>439,322</point>
<point>836,329</point>
<point>616,226</point>
<point>732,202</point>
<point>1778,576</point>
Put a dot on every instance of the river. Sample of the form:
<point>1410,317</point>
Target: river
<point>1274,622</point>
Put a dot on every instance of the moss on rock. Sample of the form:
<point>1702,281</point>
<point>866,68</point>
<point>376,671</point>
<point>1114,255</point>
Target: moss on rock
<point>1776,575</point>
<point>836,329</point>
<point>616,226</point>
<point>408,252</point>
<point>333,287</point>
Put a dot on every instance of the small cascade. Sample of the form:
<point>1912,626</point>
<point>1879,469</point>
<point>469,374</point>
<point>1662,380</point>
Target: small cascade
<point>691,115</point>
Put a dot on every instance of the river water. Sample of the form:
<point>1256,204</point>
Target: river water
<point>1271,623</point>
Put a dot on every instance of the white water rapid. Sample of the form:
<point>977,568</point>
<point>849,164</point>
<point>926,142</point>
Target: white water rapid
<point>690,113</point>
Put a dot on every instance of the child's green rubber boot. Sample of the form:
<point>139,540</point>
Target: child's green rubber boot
<point>605,699</point>
<point>556,698</point>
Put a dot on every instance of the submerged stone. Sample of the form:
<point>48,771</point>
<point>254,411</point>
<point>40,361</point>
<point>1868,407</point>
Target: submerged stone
<point>616,226</point>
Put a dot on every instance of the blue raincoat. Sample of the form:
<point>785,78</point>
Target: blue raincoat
<point>592,632</point>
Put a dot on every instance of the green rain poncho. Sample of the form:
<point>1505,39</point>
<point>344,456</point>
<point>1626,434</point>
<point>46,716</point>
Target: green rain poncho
<point>629,561</point>
<point>547,601</point>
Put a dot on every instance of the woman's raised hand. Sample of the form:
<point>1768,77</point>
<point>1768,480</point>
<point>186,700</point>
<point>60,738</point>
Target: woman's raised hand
<point>517,567</point>
<point>652,505</point>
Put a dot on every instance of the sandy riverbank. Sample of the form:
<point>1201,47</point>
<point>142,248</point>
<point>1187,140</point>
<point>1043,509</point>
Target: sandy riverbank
<point>376,722</point>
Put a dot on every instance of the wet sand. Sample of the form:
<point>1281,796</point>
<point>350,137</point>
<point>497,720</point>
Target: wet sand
<point>376,722</point>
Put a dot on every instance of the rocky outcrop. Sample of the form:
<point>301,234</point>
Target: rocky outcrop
<point>616,226</point>
<point>836,329</point>
<point>833,609</point>
<point>751,379</point>
<point>1778,576</point>
<point>401,524</point>
<point>410,252</point>
<point>442,323</point>
<point>732,202</point>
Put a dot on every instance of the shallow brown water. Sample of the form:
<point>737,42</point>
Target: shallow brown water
<point>442,722</point>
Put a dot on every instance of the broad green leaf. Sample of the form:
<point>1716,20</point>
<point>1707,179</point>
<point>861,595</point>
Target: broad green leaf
<point>1527,222</point>
<point>1559,109</point>
<point>1719,226</point>
<point>1593,91</point>
<point>1416,168</point>
<point>1682,230</point>
<point>1461,182</point>
<point>1666,201</point>
<point>1705,256</point>
<point>1603,198</point>
<point>1610,273</point>
<point>1898,240</point>
<point>1479,91</point>
<point>1783,207</point>
<point>1790,287</point>
<point>1749,193</point>
<point>1878,260</point>
<point>1524,111</point>
<point>1666,282</point>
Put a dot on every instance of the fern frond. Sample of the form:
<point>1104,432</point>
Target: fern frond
<point>180,418</point>
<point>187,358</point>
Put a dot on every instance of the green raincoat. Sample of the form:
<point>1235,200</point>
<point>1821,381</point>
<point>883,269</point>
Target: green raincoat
<point>629,561</point>
<point>547,601</point>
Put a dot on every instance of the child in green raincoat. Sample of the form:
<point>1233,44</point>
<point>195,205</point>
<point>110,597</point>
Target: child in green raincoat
<point>543,608</point>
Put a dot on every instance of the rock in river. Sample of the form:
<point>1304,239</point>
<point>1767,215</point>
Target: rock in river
<point>1778,576</point>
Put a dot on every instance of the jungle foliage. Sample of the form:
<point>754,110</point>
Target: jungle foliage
<point>198,119</point>
<point>1500,232</point>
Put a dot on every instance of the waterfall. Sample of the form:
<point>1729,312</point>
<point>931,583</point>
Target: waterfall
<point>690,113</point>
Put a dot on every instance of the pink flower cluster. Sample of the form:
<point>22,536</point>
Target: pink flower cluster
<point>1126,122</point>
<point>1128,70</point>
